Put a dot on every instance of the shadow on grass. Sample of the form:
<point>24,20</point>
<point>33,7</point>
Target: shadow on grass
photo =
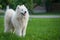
<point>8,36</point>
<point>11,36</point>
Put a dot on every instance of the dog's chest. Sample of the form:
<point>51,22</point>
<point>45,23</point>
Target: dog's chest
<point>21,20</point>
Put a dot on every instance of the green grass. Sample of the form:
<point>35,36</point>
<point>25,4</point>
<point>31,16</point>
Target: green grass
<point>38,29</point>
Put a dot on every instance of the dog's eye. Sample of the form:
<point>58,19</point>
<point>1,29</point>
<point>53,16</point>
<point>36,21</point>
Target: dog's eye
<point>22,10</point>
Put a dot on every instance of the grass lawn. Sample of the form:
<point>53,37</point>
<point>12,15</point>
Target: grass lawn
<point>38,29</point>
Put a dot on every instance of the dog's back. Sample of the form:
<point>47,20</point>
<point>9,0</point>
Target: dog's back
<point>9,12</point>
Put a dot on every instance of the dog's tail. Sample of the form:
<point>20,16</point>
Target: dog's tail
<point>7,7</point>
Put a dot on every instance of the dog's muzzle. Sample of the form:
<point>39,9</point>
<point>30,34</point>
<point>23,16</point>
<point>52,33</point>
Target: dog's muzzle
<point>23,13</point>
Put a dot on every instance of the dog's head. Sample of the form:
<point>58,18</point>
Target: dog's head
<point>22,9</point>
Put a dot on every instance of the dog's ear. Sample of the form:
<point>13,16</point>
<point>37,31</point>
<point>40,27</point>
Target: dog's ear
<point>23,5</point>
<point>18,6</point>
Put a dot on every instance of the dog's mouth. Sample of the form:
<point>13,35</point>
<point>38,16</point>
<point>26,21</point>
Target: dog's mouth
<point>24,13</point>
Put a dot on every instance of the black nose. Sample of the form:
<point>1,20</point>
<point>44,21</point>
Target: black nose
<point>25,11</point>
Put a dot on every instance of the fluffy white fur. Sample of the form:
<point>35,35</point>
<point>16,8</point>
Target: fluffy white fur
<point>7,19</point>
<point>17,20</point>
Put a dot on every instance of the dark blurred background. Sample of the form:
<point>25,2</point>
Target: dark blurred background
<point>34,6</point>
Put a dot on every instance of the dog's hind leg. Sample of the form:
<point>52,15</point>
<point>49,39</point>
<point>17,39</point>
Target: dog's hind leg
<point>7,26</point>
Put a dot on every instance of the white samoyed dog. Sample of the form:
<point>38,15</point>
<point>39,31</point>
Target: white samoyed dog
<point>17,20</point>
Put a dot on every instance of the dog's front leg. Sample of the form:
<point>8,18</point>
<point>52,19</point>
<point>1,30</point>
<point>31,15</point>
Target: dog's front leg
<point>24,28</point>
<point>18,31</point>
<point>24,32</point>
